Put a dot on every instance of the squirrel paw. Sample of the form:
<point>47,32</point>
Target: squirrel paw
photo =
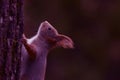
<point>24,39</point>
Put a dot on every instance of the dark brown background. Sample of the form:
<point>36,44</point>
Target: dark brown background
<point>94,26</point>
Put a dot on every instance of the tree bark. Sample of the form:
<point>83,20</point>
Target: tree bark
<point>11,30</point>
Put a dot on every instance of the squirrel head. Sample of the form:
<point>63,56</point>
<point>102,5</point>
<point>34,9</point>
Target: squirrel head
<point>52,37</point>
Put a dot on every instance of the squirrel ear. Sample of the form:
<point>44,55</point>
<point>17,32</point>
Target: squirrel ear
<point>64,41</point>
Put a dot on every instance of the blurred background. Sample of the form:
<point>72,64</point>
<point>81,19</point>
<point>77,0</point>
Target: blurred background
<point>94,26</point>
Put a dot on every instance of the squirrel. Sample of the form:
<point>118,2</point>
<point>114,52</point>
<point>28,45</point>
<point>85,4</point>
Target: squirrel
<point>36,49</point>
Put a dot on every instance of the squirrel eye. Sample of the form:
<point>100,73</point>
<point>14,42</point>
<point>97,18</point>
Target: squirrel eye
<point>49,28</point>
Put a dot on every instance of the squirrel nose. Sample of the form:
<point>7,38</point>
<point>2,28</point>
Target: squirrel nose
<point>46,23</point>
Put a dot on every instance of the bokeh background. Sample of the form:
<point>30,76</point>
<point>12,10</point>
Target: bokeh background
<point>94,26</point>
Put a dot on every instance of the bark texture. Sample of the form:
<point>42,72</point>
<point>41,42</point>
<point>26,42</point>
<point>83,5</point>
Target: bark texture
<point>11,29</point>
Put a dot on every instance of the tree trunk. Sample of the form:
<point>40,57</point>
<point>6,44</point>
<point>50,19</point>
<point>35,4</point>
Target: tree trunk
<point>11,29</point>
